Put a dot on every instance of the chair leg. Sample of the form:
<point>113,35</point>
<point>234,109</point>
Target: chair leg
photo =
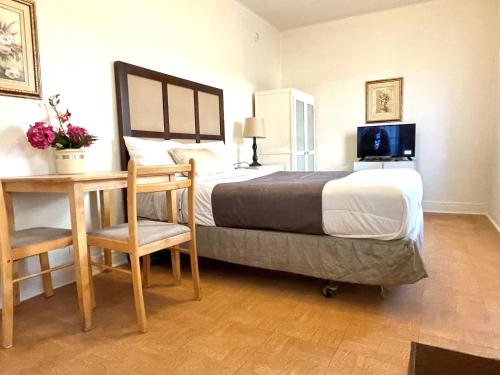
<point>8,303</point>
<point>138,296</point>
<point>47,277</point>
<point>92,292</point>
<point>16,290</point>
<point>108,259</point>
<point>195,274</point>
<point>175,257</point>
<point>146,268</point>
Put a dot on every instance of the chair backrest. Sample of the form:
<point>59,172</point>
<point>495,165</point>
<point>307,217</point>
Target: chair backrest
<point>150,179</point>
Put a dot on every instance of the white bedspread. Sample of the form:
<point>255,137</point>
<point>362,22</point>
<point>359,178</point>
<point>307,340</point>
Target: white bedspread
<point>385,204</point>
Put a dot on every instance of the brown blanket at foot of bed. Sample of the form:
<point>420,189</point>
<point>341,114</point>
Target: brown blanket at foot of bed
<point>282,201</point>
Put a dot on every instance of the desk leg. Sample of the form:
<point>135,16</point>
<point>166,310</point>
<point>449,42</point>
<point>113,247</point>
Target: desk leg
<point>7,294</point>
<point>78,226</point>
<point>6,290</point>
<point>104,198</point>
<point>11,222</point>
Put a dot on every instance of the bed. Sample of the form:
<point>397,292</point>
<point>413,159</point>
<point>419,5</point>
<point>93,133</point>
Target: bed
<point>370,222</point>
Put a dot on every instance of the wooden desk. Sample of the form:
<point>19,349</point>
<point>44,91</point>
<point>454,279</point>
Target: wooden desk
<point>74,186</point>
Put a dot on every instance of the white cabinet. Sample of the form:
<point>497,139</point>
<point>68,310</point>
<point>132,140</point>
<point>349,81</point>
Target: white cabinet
<point>389,164</point>
<point>290,122</point>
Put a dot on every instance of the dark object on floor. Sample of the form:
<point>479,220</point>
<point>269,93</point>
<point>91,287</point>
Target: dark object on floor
<point>431,360</point>
<point>330,289</point>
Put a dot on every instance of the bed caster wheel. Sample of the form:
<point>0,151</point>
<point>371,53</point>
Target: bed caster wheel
<point>329,291</point>
<point>385,292</point>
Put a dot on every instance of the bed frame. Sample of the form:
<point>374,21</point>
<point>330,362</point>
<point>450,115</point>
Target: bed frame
<point>156,105</point>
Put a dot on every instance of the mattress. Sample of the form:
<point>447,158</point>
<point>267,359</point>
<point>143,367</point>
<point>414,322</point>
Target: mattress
<point>384,204</point>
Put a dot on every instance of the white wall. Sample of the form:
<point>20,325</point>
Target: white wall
<point>446,52</point>
<point>494,209</point>
<point>209,41</point>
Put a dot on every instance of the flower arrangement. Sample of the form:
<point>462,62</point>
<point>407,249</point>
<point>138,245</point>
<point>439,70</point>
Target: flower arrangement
<point>67,136</point>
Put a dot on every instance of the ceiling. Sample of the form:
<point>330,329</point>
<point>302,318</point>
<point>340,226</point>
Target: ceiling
<point>287,14</point>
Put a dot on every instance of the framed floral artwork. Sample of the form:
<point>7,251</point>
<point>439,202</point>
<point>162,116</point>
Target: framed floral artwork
<point>19,59</point>
<point>384,100</point>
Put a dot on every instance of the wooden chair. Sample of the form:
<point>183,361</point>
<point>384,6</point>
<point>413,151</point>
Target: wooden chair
<point>17,245</point>
<point>140,238</point>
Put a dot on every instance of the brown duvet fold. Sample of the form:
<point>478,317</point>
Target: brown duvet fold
<point>282,201</point>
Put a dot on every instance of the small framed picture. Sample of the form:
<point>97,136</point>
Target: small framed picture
<point>19,59</point>
<point>384,100</point>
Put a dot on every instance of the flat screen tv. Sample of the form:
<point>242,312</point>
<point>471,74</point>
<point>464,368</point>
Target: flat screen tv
<point>384,141</point>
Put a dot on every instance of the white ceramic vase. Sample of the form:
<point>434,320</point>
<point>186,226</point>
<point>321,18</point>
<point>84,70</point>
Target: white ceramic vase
<point>70,161</point>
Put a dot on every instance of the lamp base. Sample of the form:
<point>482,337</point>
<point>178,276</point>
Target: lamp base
<point>255,158</point>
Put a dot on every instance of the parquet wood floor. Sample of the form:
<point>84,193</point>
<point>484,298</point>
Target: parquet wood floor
<point>252,321</point>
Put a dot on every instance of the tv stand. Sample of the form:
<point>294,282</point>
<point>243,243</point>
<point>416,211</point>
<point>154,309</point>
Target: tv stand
<point>382,164</point>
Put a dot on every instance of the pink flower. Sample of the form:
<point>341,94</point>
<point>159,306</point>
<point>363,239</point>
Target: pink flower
<point>65,117</point>
<point>76,134</point>
<point>40,135</point>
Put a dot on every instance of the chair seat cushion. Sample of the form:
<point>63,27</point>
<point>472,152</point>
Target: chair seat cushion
<point>32,236</point>
<point>148,231</point>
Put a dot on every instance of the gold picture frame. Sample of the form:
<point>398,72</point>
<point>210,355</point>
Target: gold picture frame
<point>384,100</point>
<point>19,54</point>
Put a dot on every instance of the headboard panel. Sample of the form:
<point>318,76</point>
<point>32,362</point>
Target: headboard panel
<point>156,105</point>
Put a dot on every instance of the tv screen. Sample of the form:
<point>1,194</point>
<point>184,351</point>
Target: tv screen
<point>386,141</point>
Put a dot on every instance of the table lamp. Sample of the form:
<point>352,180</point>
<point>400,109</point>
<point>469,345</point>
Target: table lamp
<point>254,128</point>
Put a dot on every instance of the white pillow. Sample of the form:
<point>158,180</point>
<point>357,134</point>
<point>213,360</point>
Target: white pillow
<point>207,162</point>
<point>149,152</point>
<point>219,148</point>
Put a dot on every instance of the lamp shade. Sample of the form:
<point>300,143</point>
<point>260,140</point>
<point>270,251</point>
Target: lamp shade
<point>254,127</point>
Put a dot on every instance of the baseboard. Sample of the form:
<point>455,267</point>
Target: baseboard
<point>495,220</point>
<point>455,207</point>
<point>462,208</point>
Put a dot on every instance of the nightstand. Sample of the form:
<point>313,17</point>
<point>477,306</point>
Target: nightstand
<point>270,168</point>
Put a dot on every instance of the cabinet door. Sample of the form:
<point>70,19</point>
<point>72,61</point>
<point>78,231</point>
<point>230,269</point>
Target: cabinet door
<point>300,136</point>
<point>275,109</point>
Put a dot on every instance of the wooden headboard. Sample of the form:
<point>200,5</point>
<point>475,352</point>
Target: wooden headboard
<point>157,105</point>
